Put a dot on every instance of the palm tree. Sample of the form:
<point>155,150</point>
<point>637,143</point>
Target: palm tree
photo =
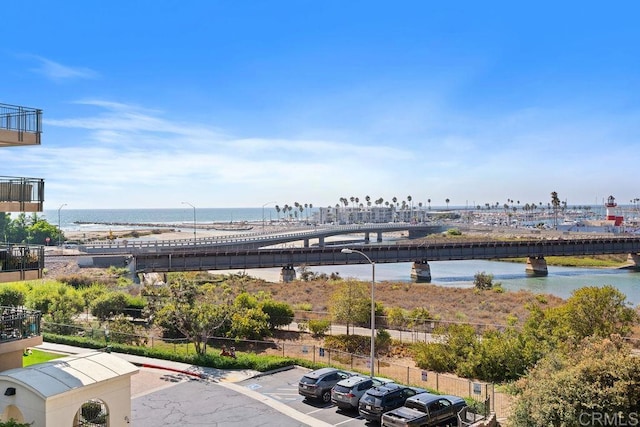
<point>447,202</point>
<point>555,201</point>
<point>368,199</point>
<point>410,199</point>
<point>278,212</point>
<point>429,202</point>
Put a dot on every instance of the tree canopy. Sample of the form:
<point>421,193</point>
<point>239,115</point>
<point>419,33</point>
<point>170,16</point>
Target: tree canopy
<point>599,378</point>
<point>350,303</point>
<point>23,229</point>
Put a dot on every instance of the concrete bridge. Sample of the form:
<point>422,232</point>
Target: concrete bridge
<point>259,240</point>
<point>199,259</point>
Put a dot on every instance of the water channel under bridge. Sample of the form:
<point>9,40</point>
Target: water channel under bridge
<point>535,251</point>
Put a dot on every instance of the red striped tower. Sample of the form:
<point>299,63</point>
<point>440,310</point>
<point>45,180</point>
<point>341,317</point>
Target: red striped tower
<point>611,215</point>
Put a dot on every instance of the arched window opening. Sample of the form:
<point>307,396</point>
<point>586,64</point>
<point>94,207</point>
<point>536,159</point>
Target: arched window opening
<point>92,413</point>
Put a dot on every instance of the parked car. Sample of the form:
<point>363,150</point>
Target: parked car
<point>378,400</point>
<point>425,410</point>
<point>347,393</point>
<point>318,384</point>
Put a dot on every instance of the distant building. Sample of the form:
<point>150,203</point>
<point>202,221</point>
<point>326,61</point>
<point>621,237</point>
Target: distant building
<point>370,214</point>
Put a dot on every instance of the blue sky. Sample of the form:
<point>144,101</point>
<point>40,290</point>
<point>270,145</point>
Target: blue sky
<point>240,103</point>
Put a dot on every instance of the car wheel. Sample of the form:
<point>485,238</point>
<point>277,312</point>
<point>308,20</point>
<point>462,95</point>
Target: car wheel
<point>326,396</point>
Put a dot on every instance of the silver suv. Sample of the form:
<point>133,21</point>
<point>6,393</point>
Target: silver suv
<point>317,384</point>
<point>347,393</point>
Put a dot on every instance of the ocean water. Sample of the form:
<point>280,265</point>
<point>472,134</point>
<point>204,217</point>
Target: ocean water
<point>94,219</point>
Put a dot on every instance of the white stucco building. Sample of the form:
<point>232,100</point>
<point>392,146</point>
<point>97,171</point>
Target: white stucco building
<point>92,387</point>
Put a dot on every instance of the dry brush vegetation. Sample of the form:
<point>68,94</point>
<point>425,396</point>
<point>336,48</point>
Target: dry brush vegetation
<point>443,303</point>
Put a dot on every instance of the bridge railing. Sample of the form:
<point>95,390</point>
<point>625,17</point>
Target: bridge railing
<point>124,245</point>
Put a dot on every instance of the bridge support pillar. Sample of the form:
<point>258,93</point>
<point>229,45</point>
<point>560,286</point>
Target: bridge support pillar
<point>420,271</point>
<point>366,237</point>
<point>537,266</point>
<point>379,239</point>
<point>634,261</point>
<point>306,243</point>
<point>321,242</point>
<point>287,274</point>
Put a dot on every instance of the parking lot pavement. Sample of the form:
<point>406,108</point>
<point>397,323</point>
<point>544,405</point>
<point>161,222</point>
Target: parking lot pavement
<point>283,387</point>
<point>181,400</point>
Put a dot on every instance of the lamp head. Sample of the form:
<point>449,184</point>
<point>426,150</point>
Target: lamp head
<point>346,251</point>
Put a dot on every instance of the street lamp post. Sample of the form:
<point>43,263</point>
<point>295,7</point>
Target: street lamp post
<point>268,203</point>
<point>373,305</point>
<point>194,220</point>
<point>59,224</point>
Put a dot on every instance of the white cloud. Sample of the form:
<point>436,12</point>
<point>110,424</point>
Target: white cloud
<point>59,72</point>
<point>125,156</point>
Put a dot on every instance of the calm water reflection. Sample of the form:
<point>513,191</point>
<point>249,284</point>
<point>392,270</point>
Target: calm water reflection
<point>561,281</point>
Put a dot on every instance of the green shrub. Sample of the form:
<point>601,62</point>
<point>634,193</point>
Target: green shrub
<point>303,306</point>
<point>357,344</point>
<point>434,356</point>
<point>383,341</point>
<point>454,232</point>
<point>125,332</point>
<point>109,304</point>
<point>319,327</point>
<point>14,423</point>
<point>12,295</point>
<point>260,363</point>
<point>482,280</point>
<point>280,313</point>
<point>77,280</point>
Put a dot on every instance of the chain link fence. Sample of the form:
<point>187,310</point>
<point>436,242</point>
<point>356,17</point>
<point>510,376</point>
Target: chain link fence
<point>484,393</point>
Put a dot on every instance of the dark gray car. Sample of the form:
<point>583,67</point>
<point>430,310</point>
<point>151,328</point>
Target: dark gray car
<point>318,384</point>
<point>378,400</point>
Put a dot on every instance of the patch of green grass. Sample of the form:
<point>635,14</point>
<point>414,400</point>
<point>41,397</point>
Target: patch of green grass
<point>38,356</point>
<point>570,261</point>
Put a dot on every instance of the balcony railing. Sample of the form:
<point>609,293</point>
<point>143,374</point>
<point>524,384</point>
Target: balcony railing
<point>21,194</point>
<point>21,262</point>
<point>20,125</point>
<point>17,323</point>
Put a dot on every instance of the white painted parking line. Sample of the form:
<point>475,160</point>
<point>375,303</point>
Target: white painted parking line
<point>283,396</point>
<point>348,421</point>
<point>318,410</point>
